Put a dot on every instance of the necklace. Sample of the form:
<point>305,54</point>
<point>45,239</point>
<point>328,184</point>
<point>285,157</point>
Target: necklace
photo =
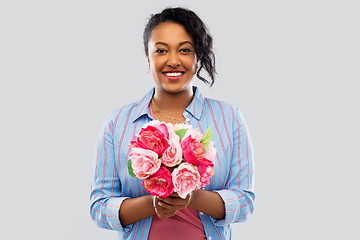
<point>171,118</point>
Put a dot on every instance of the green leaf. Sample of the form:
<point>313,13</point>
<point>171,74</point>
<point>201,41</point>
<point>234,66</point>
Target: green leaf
<point>181,133</point>
<point>207,138</point>
<point>131,171</point>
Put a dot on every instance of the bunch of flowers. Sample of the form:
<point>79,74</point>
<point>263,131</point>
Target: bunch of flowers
<point>172,158</point>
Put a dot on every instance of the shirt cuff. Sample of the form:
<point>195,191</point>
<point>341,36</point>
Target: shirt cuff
<point>112,214</point>
<point>232,206</point>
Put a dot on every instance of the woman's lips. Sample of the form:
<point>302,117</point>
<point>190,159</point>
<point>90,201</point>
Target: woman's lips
<point>173,75</point>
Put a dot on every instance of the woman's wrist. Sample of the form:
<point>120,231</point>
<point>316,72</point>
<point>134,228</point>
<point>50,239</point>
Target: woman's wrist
<point>208,202</point>
<point>135,209</point>
<point>194,198</point>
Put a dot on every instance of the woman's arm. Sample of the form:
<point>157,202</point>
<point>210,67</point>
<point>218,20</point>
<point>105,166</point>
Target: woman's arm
<point>208,202</point>
<point>135,209</point>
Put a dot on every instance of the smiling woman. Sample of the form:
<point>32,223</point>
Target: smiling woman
<point>172,60</point>
<point>178,46</point>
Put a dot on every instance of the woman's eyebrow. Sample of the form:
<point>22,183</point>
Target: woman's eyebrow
<point>162,43</point>
<point>180,44</point>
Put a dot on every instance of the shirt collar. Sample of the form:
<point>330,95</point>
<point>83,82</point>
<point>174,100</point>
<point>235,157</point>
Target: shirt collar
<point>195,108</point>
<point>141,107</point>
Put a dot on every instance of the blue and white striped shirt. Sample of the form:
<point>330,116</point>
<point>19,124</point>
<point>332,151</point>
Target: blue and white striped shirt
<point>234,166</point>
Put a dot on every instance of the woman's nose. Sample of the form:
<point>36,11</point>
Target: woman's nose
<point>173,60</point>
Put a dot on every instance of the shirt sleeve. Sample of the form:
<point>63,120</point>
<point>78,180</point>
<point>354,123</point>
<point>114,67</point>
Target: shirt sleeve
<point>239,195</point>
<point>106,197</point>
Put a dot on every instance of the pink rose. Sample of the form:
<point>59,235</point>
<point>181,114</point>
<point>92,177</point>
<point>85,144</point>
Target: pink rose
<point>211,152</point>
<point>144,162</point>
<point>173,154</point>
<point>185,179</point>
<point>194,134</point>
<point>193,150</point>
<point>190,131</point>
<point>160,184</point>
<point>171,131</point>
<point>206,171</point>
<point>163,127</point>
<point>152,138</point>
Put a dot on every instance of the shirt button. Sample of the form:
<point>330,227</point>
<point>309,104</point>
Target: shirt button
<point>210,238</point>
<point>187,119</point>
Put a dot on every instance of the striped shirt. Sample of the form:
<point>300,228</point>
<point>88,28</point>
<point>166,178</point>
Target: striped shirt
<point>234,167</point>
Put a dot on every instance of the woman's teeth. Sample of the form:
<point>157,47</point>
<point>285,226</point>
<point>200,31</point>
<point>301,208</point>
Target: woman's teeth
<point>173,74</point>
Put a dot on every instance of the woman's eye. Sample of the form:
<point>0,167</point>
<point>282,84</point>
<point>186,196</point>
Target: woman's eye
<point>185,50</point>
<point>160,51</point>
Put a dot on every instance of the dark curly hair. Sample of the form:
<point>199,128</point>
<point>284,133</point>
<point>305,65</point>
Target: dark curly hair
<point>203,42</point>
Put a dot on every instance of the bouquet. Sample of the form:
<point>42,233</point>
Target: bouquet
<point>172,158</point>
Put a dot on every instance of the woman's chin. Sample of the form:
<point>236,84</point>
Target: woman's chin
<point>175,88</point>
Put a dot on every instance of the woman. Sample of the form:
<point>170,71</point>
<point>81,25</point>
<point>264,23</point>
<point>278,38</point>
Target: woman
<point>178,46</point>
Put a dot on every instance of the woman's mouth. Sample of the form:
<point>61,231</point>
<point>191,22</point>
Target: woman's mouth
<point>173,75</point>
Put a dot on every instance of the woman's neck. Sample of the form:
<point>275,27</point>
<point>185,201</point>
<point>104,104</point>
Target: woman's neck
<point>172,102</point>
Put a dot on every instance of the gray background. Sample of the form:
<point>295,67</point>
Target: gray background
<point>292,67</point>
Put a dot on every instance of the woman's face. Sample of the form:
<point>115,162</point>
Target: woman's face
<point>171,57</point>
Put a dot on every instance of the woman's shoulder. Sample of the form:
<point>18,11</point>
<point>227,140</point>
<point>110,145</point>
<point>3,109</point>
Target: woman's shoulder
<point>122,112</point>
<point>219,107</point>
<point>124,109</point>
<point>213,101</point>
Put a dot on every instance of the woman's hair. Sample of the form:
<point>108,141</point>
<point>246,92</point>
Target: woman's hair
<point>196,28</point>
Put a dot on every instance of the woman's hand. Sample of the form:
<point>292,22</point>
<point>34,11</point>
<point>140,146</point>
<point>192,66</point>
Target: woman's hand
<point>167,207</point>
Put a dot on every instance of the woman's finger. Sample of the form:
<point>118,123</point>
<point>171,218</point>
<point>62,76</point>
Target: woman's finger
<point>176,201</point>
<point>166,205</point>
